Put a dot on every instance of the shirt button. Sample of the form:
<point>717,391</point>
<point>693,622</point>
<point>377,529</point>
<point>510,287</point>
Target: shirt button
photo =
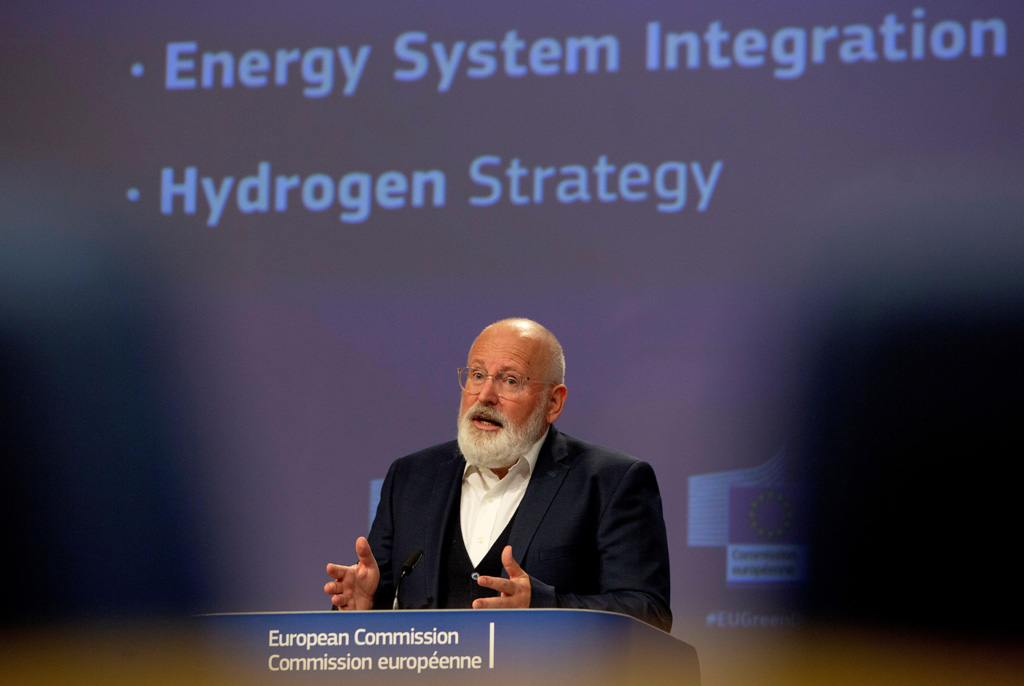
<point>474,576</point>
<point>490,499</point>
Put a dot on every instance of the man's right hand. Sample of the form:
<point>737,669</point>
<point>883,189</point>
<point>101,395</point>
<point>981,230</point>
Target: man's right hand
<point>354,586</point>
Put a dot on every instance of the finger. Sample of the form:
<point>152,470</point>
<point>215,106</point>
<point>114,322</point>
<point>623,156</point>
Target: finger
<point>337,571</point>
<point>497,583</point>
<point>333,587</point>
<point>497,602</point>
<point>510,564</point>
<point>364,552</point>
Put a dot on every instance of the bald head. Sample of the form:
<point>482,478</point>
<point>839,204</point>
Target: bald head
<point>544,349</point>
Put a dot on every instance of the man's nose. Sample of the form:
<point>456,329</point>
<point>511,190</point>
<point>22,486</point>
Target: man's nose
<point>489,392</point>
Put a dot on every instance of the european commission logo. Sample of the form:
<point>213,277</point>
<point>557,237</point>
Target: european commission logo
<point>757,517</point>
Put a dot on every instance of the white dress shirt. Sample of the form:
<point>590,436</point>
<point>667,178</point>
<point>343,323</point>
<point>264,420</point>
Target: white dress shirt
<point>488,502</point>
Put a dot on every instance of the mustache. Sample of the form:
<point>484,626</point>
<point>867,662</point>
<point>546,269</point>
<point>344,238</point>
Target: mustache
<point>481,411</point>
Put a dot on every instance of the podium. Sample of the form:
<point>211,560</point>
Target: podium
<point>448,646</point>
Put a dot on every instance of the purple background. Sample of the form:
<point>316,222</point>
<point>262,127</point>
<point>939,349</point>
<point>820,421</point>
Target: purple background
<point>206,406</point>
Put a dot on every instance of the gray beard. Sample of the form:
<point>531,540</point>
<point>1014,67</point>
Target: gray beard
<point>497,449</point>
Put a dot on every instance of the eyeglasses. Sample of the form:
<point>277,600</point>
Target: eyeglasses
<point>506,384</point>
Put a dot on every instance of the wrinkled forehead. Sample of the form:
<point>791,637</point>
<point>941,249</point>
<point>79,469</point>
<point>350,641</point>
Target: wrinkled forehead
<point>506,348</point>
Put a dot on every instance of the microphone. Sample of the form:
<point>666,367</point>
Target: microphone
<point>410,564</point>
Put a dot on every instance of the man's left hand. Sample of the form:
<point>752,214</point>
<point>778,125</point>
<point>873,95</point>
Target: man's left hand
<point>515,590</point>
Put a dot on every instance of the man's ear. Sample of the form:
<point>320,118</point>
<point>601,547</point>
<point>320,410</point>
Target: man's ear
<point>556,401</point>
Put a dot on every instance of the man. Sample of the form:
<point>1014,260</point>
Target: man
<point>583,521</point>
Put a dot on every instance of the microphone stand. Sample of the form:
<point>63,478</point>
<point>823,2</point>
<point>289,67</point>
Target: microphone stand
<point>409,565</point>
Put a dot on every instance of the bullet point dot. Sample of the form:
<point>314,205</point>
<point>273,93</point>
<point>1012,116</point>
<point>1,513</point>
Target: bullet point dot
<point>138,69</point>
<point>133,194</point>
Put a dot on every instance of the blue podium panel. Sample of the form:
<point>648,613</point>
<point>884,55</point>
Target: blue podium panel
<point>449,646</point>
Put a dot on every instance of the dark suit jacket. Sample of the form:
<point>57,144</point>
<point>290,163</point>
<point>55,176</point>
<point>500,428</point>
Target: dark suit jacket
<point>589,530</point>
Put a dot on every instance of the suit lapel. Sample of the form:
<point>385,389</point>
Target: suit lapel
<point>447,486</point>
<point>545,481</point>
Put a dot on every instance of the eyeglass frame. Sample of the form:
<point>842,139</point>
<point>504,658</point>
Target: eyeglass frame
<point>496,385</point>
